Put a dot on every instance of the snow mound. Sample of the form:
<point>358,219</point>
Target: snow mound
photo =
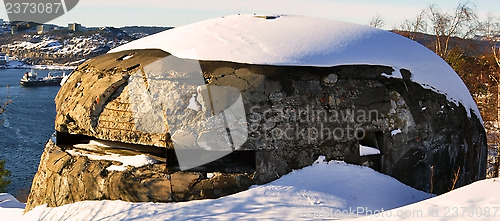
<point>8,201</point>
<point>477,201</point>
<point>305,41</point>
<point>10,208</point>
<point>324,190</point>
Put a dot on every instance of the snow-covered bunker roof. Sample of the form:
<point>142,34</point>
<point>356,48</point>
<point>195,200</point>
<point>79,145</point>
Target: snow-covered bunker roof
<point>306,41</point>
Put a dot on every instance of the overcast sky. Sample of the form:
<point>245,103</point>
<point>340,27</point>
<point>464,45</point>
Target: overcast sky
<point>120,13</point>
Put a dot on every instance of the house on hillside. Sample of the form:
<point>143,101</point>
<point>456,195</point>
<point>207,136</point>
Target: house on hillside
<point>75,27</point>
<point>41,29</point>
<point>4,59</point>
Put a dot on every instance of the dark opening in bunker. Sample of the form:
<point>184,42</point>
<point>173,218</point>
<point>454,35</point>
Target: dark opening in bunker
<point>373,139</point>
<point>235,162</point>
<point>71,139</point>
<point>68,141</point>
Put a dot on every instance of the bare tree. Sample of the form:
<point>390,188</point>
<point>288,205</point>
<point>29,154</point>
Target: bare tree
<point>483,78</point>
<point>490,29</point>
<point>416,25</point>
<point>493,142</point>
<point>377,22</point>
<point>462,23</point>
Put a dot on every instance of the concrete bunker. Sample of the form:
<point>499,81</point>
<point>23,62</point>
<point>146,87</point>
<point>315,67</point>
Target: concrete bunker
<point>292,115</point>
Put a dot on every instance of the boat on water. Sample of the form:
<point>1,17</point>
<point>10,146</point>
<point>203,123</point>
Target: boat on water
<point>31,79</point>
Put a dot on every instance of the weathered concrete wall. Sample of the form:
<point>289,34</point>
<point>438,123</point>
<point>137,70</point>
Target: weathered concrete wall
<point>98,83</point>
<point>294,115</point>
<point>437,139</point>
<point>63,178</point>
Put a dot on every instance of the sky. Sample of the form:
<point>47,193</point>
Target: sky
<point>175,13</point>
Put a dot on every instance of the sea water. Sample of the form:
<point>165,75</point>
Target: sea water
<point>25,126</point>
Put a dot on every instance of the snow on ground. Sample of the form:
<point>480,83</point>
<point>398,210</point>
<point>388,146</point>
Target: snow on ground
<point>310,193</point>
<point>333,190</point>
<point>52,67</point>
<point>10,208</point>
<point>478,201</point>
<point>14,64</point>
<point>305,41</point>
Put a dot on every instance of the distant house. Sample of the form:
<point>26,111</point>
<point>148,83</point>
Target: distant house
<point>40,29</point>
<point>4,59</point>
<point>14,30</point>
<point>46,28</point>
<point>75,27</point>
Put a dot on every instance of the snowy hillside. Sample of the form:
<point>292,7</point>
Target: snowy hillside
<point>75,45</point>
<point>82,45</point>
<point>322,191</point>
<point>56,48</point>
